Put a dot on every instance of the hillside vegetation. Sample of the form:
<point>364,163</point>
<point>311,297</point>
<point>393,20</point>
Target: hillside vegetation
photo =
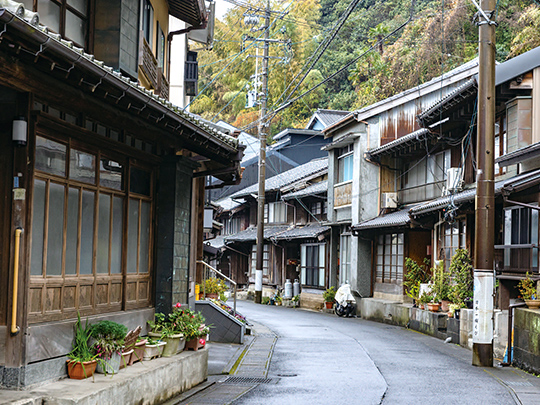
<point>439,36</point>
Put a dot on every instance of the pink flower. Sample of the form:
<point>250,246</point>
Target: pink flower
<point>178,305</point>
<point>202,341</point>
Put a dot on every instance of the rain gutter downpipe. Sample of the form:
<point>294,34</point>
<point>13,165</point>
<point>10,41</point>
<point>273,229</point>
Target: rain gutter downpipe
<point>510,343</point>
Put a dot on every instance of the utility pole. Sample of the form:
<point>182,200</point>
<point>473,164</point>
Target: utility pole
<point>262,161</point>
<point>485,199</point>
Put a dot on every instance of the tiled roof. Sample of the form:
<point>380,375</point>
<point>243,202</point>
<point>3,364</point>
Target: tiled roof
<point>228,203</point>
<point>294,131</point>
<point>328,117</point>
<point>394,219</point>
<point>319,188</point>
<point>518,156</point>
<point>217,243</point>
<point>250,234</point>
<point>303,232</point>
<point>288,177</point>
<point>113,76</point>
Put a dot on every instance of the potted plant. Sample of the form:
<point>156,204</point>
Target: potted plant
<point>441,286</point>
<point>194,330</point>
<point>329,296</point>
<point>423,299</point>
<point>296,300</point>
<point>81,361</point>
<point>461,270</point>
<point>215,288</point>
<point>138,350</point>
<point>153,349</point>
<point>108,337</point>
<point>415,275</point>
<point>529,292</point>
<point>168,329</point>
<point>129,346</point>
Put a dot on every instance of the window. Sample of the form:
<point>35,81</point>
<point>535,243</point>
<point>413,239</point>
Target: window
<point>147,21</point>
<point>266,259</point>
<point>275,213</point>
<point>521,228</point>
<point>345,164</point>
<point>344,258</point>
<point>79,219</point>
<point>69,18</point>
<point>312,265</point>
<point>453,238</point>
<point>233,225</point>
<point>389,264</point>
<point>425,178</point>
<point>316,208</point>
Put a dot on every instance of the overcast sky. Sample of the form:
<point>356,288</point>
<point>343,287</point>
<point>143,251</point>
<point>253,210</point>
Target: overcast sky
<point>221,8</point>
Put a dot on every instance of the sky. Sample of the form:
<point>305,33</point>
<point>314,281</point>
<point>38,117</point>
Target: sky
<point>221,8</point>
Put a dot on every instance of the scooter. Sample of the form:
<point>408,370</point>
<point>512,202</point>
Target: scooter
<point>344,301</point>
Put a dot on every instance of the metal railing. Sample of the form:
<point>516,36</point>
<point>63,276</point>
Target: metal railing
<point>216,271</point>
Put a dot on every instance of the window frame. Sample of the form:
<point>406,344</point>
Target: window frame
<point>389,263</point>
<point>317,271</point>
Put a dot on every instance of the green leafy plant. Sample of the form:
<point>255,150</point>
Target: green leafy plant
<point>108,338</point>
<point>461,270</point>
<point>415,275</point>
<point>441,283</point>
<point>214,286</point>
<point>425,298</point>
<point>265,300</point>
<point>330,294</point>
<point>81,351</point>
<point>296,298</point>
<point>527,288</point>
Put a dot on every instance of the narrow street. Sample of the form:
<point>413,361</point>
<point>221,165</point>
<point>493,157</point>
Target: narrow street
<point>319,359</point>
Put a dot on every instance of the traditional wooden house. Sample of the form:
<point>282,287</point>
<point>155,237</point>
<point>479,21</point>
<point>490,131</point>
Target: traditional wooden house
<point>369,250</point>
<point>103,178</point>
<point>433,175</point>
<point>294,233</point>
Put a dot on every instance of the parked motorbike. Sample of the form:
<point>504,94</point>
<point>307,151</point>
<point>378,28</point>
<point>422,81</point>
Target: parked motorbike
<point>344,301</point>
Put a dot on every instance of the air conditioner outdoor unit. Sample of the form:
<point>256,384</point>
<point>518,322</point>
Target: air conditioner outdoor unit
<point>453,179</point>
<point>389,200</point>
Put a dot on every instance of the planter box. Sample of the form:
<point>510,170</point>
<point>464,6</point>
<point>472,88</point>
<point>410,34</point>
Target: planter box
<point>79,371</point>
<point>110,366</point>
<point>195,344</point>
<point>138,352</point>
<point>153,351</point>
<point>126,356</point>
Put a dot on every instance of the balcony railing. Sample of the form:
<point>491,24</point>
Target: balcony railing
<point>421,192</point>
<point>342,194</point>
<point>521,258</point>
<point>149,67</point>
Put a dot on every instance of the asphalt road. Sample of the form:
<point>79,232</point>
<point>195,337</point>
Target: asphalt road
<point>322,359</point>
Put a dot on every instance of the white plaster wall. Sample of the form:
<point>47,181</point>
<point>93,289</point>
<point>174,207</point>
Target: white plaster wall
<point>178,59</point>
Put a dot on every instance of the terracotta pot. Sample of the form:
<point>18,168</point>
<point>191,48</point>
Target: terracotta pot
<point>126,356</point>
<point>433,306</point>
<point>80,371</point>
<point>138,352</point>
<point>195,344</point>
<point>328,305</point>
<point>212,296</point>
<point>533,304</point>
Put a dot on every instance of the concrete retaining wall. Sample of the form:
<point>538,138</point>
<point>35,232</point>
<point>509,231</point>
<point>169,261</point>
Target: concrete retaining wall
<point>224,328</point>
<point>430,323</point>
<point>385,311</point>
<point>527,339</point>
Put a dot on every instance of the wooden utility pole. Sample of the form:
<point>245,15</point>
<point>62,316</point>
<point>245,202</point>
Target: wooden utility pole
<point>485,198</point>
<point>262,161</point>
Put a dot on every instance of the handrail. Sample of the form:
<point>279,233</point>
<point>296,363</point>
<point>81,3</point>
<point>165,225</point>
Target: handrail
<point>14,328</point>
<point>222,275</point>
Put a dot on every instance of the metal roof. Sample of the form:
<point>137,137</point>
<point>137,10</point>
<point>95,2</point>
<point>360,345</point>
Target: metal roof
<point>217,243</point>
<point>452,99</point>
<point>394,219</point>
<point>342,141</point>
<point>304,232</point>
<point>228,204</point>
<point>290,176</point>
<point>316,189</point>
<point>518,156</point>
<point>414,137</point>
<point>294,131</point>
<point>517,66</point>
<point>191,11</point>
<point>250,234</point>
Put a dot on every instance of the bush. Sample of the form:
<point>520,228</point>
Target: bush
<point>441,283</point>
<point>461,270</point>
<point>415,275</point>
<point>330,294</point>
<point>109,338</point>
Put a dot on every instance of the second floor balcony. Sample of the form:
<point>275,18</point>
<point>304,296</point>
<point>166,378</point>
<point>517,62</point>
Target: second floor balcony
<point>149,66</point>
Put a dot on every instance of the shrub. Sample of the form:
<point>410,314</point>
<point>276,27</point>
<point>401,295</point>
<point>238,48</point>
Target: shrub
<point>415,275</point>
<point>461,270</point>
<point>330,294</point>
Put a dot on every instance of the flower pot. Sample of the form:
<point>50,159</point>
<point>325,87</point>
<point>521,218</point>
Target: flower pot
<point>433,306</point>
<point>79,371</point>
<point>195,343</point>
<point>109,366</point>
<point>212,296</point>
<point>173,342</point>
<point>138,352</point>
<point>445,306</point>
<point>153,351</point>
<point>533,304</point>
<point>155,335</point>
<point>328,305</point>
<point>126,356</point>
